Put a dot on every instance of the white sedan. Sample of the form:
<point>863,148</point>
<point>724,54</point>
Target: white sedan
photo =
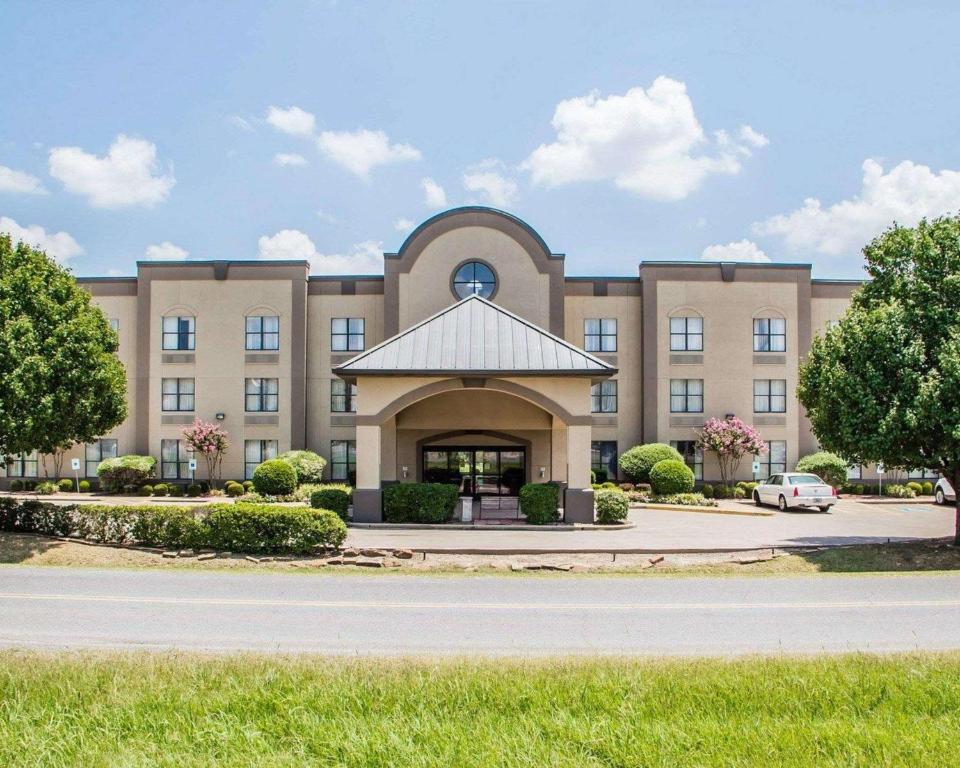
<point>795,489</point>
<point>944,491</point>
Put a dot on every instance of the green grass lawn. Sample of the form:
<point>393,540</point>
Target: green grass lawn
<point>177,710</point>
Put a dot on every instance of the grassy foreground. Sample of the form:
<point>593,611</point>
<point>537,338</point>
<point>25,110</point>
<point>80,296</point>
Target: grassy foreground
<point>167,710</point>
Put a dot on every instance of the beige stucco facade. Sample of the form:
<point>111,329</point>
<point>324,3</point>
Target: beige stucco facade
<point>553,419</point>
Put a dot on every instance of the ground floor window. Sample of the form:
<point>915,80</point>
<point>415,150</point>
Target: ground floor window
<point>603,459</point>
<point>692,456</point>
<point>854,472</point>
<point>174,460</point>
<point>775,459</point>
<point>24,465</point>
<point>923,474</point>
<point>343,461</point>
<point>255,452</point>
<point>97,451</point>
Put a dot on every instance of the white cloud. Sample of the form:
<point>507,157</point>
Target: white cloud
<point>403,225</point>
<point>742,250</point>
<point>58,245</point>
<point>434,196</point>
<point>283,158</point>
<point>487,178</point>
<point>19,182</point>
<point>362,150</point>
<point>293,120</point>
<point>326,216</point>
<point>362,258</point>
<point>648,142</point>
<point>752,137</point>
<point>165,251</point>
<point>906,194</point>
<point>124,177</point>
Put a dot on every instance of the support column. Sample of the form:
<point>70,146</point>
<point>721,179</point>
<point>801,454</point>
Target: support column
<point>578,498</point>
<point>367,496</point>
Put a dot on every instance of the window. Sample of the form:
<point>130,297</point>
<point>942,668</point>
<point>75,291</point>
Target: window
<point>346,334</point>
<point>114,323</point>
<point>686,334</point>
<point>600,335</point>
<point>692,456</point>
<point>94,453</point>
<point>474,279</point>
<point>923,474</point>
<point>603,459</point>
<point>769,334</point>
<point>174,460</point>
<point>262,332</point>
<point>179,332</point>
<point>854,472</point>
<point>23,465</point>
<point>343,460</point>
<point>262,395</point>
<point>769,395</point>
<point>603,397</point>
<point>255,452</point>
<point>686,395</point>
<point>343,396</point>
<point>177,394</point>
<point>775,459</point>
<point>832,324</point>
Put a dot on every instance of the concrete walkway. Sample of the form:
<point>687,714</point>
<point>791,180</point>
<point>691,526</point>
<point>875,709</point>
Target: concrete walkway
<point>849,522</point>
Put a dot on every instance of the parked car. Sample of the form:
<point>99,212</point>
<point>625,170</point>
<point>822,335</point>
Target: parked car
<point>944,492</point>
<point>795,489</point>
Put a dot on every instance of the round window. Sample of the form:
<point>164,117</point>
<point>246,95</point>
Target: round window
<point>474,279</point>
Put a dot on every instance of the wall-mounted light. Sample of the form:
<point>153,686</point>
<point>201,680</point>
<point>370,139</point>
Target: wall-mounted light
<point>221,416</point>
<point>730,416</point>
<point>404,471</point>
<point>543,471</point>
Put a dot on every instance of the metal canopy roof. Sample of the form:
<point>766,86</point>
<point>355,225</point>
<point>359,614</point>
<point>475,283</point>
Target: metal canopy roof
<point>475,336</point>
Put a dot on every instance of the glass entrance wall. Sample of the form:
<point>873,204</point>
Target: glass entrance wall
<point>477,471</point>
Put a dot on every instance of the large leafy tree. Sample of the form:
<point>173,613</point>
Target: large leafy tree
<point>60,380</point>
<point>884,384</point>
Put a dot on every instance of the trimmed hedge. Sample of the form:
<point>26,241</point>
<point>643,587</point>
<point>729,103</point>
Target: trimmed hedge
<point>275,477</point>
<point>335,497</point>
<point>46,488</point>
<point>65,485</point>
<point>827,466</point>
<point>612,505</point>
<point>116,474</point>
<point>253,528</point>
<point>419,502</point>
<point>234,489</point>
<point>84,486</point>
<point>307,464</point>
<point>540,503</point>
<point>899,491</point>
<point>637,462</point>
<point>671,476</point>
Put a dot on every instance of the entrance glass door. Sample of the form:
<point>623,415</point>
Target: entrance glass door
<point>477,471</point>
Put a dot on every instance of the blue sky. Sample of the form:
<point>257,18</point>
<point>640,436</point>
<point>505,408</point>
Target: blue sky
<point>620,131</point>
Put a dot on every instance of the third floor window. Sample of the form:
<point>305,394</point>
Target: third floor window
<point>346,334</point>
<point>262,395</point>
<point>179,333</point>
<point>769,396</point>
<point>686,395</point>
<point>603,397</point>
<point>600,334</point>
<point>263,332</point>
<point>686,334</point>
<point>343,396</point>
<point>769,334</point>
<point>177,394</point>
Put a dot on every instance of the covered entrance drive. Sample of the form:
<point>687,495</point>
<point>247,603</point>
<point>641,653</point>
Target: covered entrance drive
<point>477,397</point>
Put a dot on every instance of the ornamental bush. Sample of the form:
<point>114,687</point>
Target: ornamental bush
<point>827,466</point>
<point>540,503</point>
<point>612,505</point>
<point>145,490</point>
<point>686,499</point>
<point>275,477</point>
<point>84,486</point>
<point>335,497</point>
<point>16,485</point>
<point>419,502</point>
<point>914,486</point>
<point>671,476</point>
<point>46,487</point>
<point>307,464</point>
<point>194,490</point>
<point>65,485</point>
<point>707,491</point>
<point>243,527</point>
<point>927,488</point>
<point>122,471</point>
<point>161,489</point>
<point>637,462</point>
<point>899,491</point>
<point>234,489</point>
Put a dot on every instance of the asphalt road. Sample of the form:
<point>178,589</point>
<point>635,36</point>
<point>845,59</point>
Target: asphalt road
<point>414,615</point>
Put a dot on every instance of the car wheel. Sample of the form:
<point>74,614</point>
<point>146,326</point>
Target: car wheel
<point>940,497</point>
<point>824,509</point>
<point>782,504</point>
<point>756,499</point>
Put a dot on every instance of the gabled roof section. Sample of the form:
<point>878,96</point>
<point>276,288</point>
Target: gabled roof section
<point>475,337</point>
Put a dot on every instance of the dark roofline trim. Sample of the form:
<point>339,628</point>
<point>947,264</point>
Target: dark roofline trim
<point>340,278</point>
<point>111,279</point>
<point>479,373</point>
<point>229,262</point>
<point>708,264</point>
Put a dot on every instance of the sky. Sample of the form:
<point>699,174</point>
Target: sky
<point>621,132</point>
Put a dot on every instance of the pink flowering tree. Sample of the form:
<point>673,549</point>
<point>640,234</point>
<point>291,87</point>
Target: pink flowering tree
<point>210,441</point>
<point>731,439</point>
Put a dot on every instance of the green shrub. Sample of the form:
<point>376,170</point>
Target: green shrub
<point>247,485</point>
<point>46,487</point>
<point>637,462</point>
<point>721,491</point>
<point>914,486</point>
<point>84,486</point>
<point>65,485</point>
<point>161,489</point>
<point>275,477</point>
<point>540,503</point>
<point>244,527</point>
<point>122,471</point>
<point>927,488</point>
<point>686,499</point>
<point>175,490</point>
<point>335,497</point>
<point>16,485</point>
<point>739,493</point>
<point>593,477</point>
<point>307,464</point>
<point>707,491</point>
<point>748,486</point>
<point>419,502</point>
<point>234,489</point>
<point>612,505</point>
<point>671,476</point>
<point>600,475</point>
<point>858,489</point>
<point>145,490</point>
<point>899,491</point>
<point>194,490</point>
<point>827,466</point>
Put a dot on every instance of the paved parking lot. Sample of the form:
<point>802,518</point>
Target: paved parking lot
<point>849,522</point>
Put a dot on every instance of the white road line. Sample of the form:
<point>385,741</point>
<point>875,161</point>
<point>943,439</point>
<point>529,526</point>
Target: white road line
<point>457,606</point>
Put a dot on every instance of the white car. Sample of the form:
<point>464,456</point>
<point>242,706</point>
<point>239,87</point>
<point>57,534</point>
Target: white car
<point>795,489</point>
<point>944,491</point>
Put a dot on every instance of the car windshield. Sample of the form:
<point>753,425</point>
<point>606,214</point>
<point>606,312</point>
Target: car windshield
<point>805,480</point>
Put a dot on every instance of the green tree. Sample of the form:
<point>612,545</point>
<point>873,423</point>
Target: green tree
<point>60,380</point>
<point>884,384</point>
